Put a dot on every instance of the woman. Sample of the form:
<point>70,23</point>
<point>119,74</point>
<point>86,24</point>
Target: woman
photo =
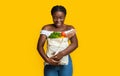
<point>57,59</point>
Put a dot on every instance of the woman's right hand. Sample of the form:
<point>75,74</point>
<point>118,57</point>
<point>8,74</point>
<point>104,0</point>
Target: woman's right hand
<point>52,61</point>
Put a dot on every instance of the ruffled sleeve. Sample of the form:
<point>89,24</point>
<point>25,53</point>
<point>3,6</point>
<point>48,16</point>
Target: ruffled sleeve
<point>70,33</point>
<point>45,32</point>
<point>71,30</point>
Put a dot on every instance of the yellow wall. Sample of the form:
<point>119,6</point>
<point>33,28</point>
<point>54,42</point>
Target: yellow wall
<point>96,21</point>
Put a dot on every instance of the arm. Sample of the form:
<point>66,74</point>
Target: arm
<point>41,51</point>
<point>72,46</point>
<point>40,46</point>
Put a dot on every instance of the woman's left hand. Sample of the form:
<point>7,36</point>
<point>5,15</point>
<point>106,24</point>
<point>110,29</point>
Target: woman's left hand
<point>58,56</point>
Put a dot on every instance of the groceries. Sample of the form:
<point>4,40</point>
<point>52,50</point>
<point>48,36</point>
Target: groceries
<point>57,35</point>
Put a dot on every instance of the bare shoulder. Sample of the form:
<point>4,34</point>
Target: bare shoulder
<point>47,27</point>
<point>70,27</point>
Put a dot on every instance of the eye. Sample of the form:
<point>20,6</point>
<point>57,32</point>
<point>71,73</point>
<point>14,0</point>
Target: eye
<point>58,18</point>
<point>61,17</point>
<point>55,18</point>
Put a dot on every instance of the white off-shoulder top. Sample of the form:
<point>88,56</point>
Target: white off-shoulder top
<point>55,45</point>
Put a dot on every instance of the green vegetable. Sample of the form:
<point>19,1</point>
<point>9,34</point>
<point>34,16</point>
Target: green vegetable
<point>55,35</point>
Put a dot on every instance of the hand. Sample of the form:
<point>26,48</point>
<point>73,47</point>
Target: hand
<point>58,56</point>
<point>52,61</point>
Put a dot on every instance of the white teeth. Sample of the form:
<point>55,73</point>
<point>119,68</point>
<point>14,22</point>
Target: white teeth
<point>58,24</point>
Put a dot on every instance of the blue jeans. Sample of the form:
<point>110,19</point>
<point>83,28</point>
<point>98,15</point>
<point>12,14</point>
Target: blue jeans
<point>61,70</point>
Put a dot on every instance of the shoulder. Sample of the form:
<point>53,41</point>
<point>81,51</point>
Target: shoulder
<point>45,30</point>
<point>47,27</point>
<point>70,27</point>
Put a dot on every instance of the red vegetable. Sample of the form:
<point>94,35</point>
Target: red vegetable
<point>63,34</point>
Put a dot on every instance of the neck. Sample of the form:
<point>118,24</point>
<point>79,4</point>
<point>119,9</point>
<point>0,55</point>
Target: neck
<point>61,26</point>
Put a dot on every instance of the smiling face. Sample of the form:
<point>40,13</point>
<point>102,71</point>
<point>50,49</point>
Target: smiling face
<point>58,18</point>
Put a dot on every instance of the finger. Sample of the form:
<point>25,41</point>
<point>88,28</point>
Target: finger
<point>55,61</point>
<point>53,56</point>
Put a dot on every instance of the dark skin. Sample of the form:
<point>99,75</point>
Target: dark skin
<point>58,19</point>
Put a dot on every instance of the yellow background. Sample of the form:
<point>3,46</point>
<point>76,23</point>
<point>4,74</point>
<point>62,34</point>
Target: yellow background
<point>98,29</point>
